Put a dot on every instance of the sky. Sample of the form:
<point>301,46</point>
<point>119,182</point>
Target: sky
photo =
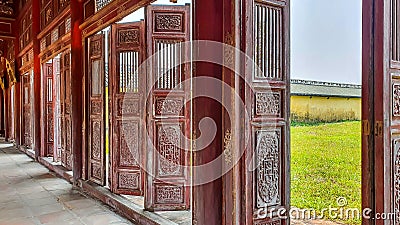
<point>326,40</point>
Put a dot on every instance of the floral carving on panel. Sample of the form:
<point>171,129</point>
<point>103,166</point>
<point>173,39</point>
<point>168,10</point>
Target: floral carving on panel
<point>268,103</point>
<point>129,36</point>
<point>268,168</point>
<point>396,99</point>
<point>129,143</point>
<point>96,171</point>
<point>96,107</point>
<point>95,48</point>
<point>166,107</point>
<point>396,179</point>
<point>129,180</point>
<point>128,107</point>
<point>6,7</point>
<point>96,140</point>
<point>168,22</point>
<point>169,150</point>
<point>169,194</point>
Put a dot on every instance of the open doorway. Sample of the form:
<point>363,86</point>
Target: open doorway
<point>326,110</point>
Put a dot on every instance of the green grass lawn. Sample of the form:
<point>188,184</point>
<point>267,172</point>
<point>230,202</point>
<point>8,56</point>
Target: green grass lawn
<point>326,165</point>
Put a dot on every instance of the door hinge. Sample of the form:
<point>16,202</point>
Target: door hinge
<point>379,128</point>
<point>366,128</point>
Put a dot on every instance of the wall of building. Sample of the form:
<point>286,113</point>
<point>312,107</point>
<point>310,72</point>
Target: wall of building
<point>324,109</point>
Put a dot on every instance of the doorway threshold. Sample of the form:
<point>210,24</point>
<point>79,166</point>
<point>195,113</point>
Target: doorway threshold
<point>130,209</point>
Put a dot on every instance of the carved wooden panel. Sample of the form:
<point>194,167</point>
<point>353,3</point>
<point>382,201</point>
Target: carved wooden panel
<point>129,180</point>
<point>168,28</point>
<point>168,194</point>
<point>169,106</point>
<point>128,134</point>
<point>169,153</point>
<point>169,22</point>
<point>396,99</point>
<point>396,179</point>
<point>268,103</point>
<point>128,107</point>
<point>268,173</point>
<point>129,36</point>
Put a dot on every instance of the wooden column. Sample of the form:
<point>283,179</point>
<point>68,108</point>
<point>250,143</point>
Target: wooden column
<point>207,198</point>
<point>76,86</point>
<point>36,137</point>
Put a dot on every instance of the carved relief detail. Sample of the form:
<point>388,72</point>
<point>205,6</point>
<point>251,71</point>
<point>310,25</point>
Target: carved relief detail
<point>396,99</point>
<point>95,48</point>
<point>168,106</point>
<point>96,171</point>
<point>129,143</point>
<point>129,36</point>
<point>396,179</point>
<point>50,125</point>
<point>96,140</point>
<point>129,180</point>
<point>96,107</point>
<point>268,168</point>
<point>169,194</point>
<point>168,22</point>
<point>169,158</point>
<point>268,103</point>
<point>128,107</point>
<point>228,147</point>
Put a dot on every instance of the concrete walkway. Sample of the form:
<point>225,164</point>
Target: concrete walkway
<point>31,194</point>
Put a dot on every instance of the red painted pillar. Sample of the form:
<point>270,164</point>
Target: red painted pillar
<point>207,198</point>
<point>76,86</point>
<point>36,78</point>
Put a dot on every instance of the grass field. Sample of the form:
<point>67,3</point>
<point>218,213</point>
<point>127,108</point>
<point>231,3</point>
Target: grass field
<point>326,165</point>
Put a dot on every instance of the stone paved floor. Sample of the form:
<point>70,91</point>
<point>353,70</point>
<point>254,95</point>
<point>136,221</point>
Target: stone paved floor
<point>31,194</point>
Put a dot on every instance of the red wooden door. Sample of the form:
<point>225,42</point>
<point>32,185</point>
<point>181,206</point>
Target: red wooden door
<point>381,110</point>
<point>27,113</point>
<point>267,97</point>
<point>96,141</point>
<point>66,155</point>
<point>48,109</point>
<point>168,117</point>
<point>127,110</point>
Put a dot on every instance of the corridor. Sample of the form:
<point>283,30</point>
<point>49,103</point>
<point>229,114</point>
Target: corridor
<point>30,194</point>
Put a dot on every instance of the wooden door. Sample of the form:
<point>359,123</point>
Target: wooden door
<point>48,130</point>
<point>27,113</point>
<point>267,98</point>
<point>381,110</point>
<point>57,106</point>
<point>127,110</point>
<point>96,141</point>
<point>168,115</point>
<point>66,155</point>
